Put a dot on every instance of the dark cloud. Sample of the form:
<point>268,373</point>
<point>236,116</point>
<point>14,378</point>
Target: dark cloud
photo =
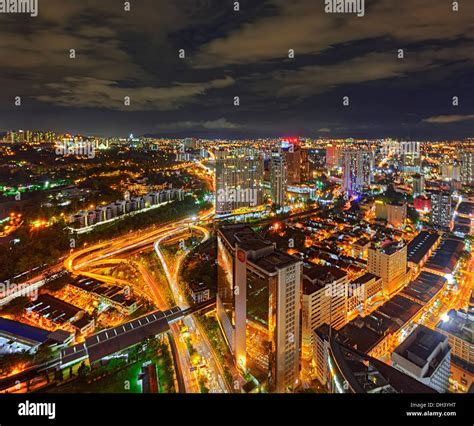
<point>447,119</point>
<point>135,54</point>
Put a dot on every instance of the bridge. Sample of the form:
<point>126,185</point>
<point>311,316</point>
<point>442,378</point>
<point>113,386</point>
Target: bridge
<point>116,339</point>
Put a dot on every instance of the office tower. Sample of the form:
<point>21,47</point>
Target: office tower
<point>325,296</point>
<point>418,185</point>
<point>467,166</point>
<point>441,210</point>
<point>305,166</point>
<point>358,167</point>
<point>426,356</point>
<point>292,152</point>
<point>238,182</point>
<point>389,262</point>
<point>278,178</point>
<point>258,306</point>
<point>332,156</point>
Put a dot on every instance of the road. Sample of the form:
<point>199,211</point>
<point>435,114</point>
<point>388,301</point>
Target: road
<point>80,261</point>
<point>202,345</point>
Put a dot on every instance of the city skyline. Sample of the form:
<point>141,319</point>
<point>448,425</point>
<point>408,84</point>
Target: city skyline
<point>246,205</point>
<point>290,64</point>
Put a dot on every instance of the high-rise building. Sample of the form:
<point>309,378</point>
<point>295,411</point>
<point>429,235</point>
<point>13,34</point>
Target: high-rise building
<point>278,178</point>
<point>292,151</point>
<point>418,185</point>
<point>332,156</point>
<point>441,209</point>
<point>467,166</point>
<point>305,166</point>
<point>238,182</point>
<point>325,296</point>
<point>389,262</point>
<point>425,355</point>
<point>358,167</point>
<point>410,156</point>
<point>258,306</point>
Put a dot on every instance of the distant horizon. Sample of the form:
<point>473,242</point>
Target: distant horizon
<point>3,133</point>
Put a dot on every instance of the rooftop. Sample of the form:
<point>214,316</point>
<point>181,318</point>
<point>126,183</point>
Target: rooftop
<point>446,256</point>
<point>424,288</point>
<point>389,248</point>
<point>324,274</point>
<point>421,245</point>
<point>274,261</point>
<point>466,208</point>
<point>420,346</point>
<point>54,309</point>
<point>24,331</point>
<point>365,278</point>
<point>365,333</point>
<point>365,374</point>
<point>459,324</point>
<point>264,254</point>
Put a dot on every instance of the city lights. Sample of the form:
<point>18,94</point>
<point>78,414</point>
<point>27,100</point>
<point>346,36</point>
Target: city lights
<point>271,197</point>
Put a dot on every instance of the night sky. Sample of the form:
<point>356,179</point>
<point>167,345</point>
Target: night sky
<point>241,54</point>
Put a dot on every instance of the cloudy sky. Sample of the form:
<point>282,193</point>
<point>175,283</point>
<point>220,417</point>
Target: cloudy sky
<point>136,54</point>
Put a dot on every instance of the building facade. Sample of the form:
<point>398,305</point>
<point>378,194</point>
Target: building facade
<point>426,356</point>
<point>238,182</point>
<point>258,306</point>
<point>389,262</point>
<point>358,165</point>
<point>278,178</point>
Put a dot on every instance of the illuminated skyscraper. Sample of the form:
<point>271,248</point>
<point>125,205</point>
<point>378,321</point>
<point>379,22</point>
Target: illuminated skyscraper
<point>441,209</point>
<point>467,167</point>
<point>292,152</point>
<point>358,165</point>
<point>278,178</point>
<point>238,182</point>
<point>332,156</point>
<point>305,166</point>
<point>258,306</point>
